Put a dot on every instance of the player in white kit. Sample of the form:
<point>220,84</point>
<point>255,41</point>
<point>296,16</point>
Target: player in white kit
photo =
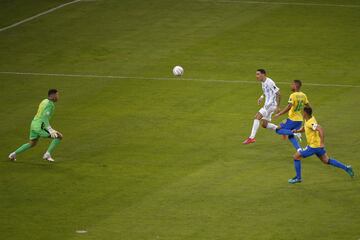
<point>272,101</point>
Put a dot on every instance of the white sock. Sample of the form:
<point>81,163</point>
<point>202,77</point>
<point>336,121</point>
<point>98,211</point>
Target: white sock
<point>255,128</point>
<point>271,126</point>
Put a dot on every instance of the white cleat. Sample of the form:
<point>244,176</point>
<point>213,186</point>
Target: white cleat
<point>12,156</point>
<point>298,136</point>
<point>48,157</point>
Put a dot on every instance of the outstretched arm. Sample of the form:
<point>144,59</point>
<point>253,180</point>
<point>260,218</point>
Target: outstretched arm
<point>285,110</point>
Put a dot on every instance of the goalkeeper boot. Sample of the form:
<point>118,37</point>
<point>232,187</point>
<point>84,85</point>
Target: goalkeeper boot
<point>12,156</point>
<point>47,157</point>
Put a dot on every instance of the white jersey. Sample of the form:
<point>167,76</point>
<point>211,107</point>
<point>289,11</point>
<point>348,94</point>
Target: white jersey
<point>270,89</point>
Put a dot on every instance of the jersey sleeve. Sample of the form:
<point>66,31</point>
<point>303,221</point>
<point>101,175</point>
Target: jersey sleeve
<point>273,86</point>
<point>306,101</point>
<point>291,99</point>
<point>312,124</point>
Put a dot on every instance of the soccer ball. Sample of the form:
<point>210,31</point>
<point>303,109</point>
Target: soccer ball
<point>178,71</point>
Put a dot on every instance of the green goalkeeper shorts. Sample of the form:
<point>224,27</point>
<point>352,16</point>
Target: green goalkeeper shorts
<point>36,131</point>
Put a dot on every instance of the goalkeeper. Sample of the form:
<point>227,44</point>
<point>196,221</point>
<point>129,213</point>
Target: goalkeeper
<point>40,127</point>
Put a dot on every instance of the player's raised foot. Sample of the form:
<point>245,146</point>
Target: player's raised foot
<point>48,157</point>
<point>249,141</point>
<point>12,156</point>
<point>294,180</point>
<point>350,171</point>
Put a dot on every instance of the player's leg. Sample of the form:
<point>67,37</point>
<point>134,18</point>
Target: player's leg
<point>54,143</point>
<point>297,165</point>
<point>256,124</point>
<point>286,129</point>
<point>302,153</point>
<point>254,129</point>
<point>322,155</point>
<point>267,124</point>
<point>34,137</point>
<point>26,146</point>
<point>294,142</point>
<point>283,129</point>
<point>266,120</point>
<point>22,148</point>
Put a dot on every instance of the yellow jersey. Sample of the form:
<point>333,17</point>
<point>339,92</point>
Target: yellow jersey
<point>312,135</point>
<point>298,100</point>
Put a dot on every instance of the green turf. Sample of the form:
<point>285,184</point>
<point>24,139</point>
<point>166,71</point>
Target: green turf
<point>151,159</point>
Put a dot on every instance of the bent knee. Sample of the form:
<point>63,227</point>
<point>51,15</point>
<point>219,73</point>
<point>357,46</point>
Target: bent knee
<point>297,156</point>
<point>258,116</point>
<point>325,161</point>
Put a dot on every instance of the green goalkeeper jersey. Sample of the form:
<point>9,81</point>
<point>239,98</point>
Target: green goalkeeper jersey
<point>44,114</point>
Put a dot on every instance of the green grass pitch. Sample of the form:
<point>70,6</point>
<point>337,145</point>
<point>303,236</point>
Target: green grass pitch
<point>145,158</point>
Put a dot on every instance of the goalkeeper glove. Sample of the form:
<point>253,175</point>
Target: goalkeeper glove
<point>53,133</point>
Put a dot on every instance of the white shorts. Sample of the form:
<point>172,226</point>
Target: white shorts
<point>267,112</point>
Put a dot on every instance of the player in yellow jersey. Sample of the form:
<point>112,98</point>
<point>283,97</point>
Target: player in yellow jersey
<point>40,127</point>
<point>296,103</point>
<point>315,139</point>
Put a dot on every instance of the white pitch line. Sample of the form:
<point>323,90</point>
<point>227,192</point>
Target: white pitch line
<point>284,3</point>
<point>164,78</point>
<point>38,15</point>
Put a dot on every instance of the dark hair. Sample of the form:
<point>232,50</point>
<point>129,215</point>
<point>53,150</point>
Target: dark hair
<point>261,70</point>
<point>51,92</point>
<point>298,82</point>
<point>308,110</point>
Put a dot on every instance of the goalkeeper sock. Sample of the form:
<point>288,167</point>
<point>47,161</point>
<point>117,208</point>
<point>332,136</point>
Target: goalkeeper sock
<point>53,145</point>
<point>23,148</point>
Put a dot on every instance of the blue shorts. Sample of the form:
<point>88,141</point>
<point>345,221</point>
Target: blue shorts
<point>309,151</point>
<point>291,125</point>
